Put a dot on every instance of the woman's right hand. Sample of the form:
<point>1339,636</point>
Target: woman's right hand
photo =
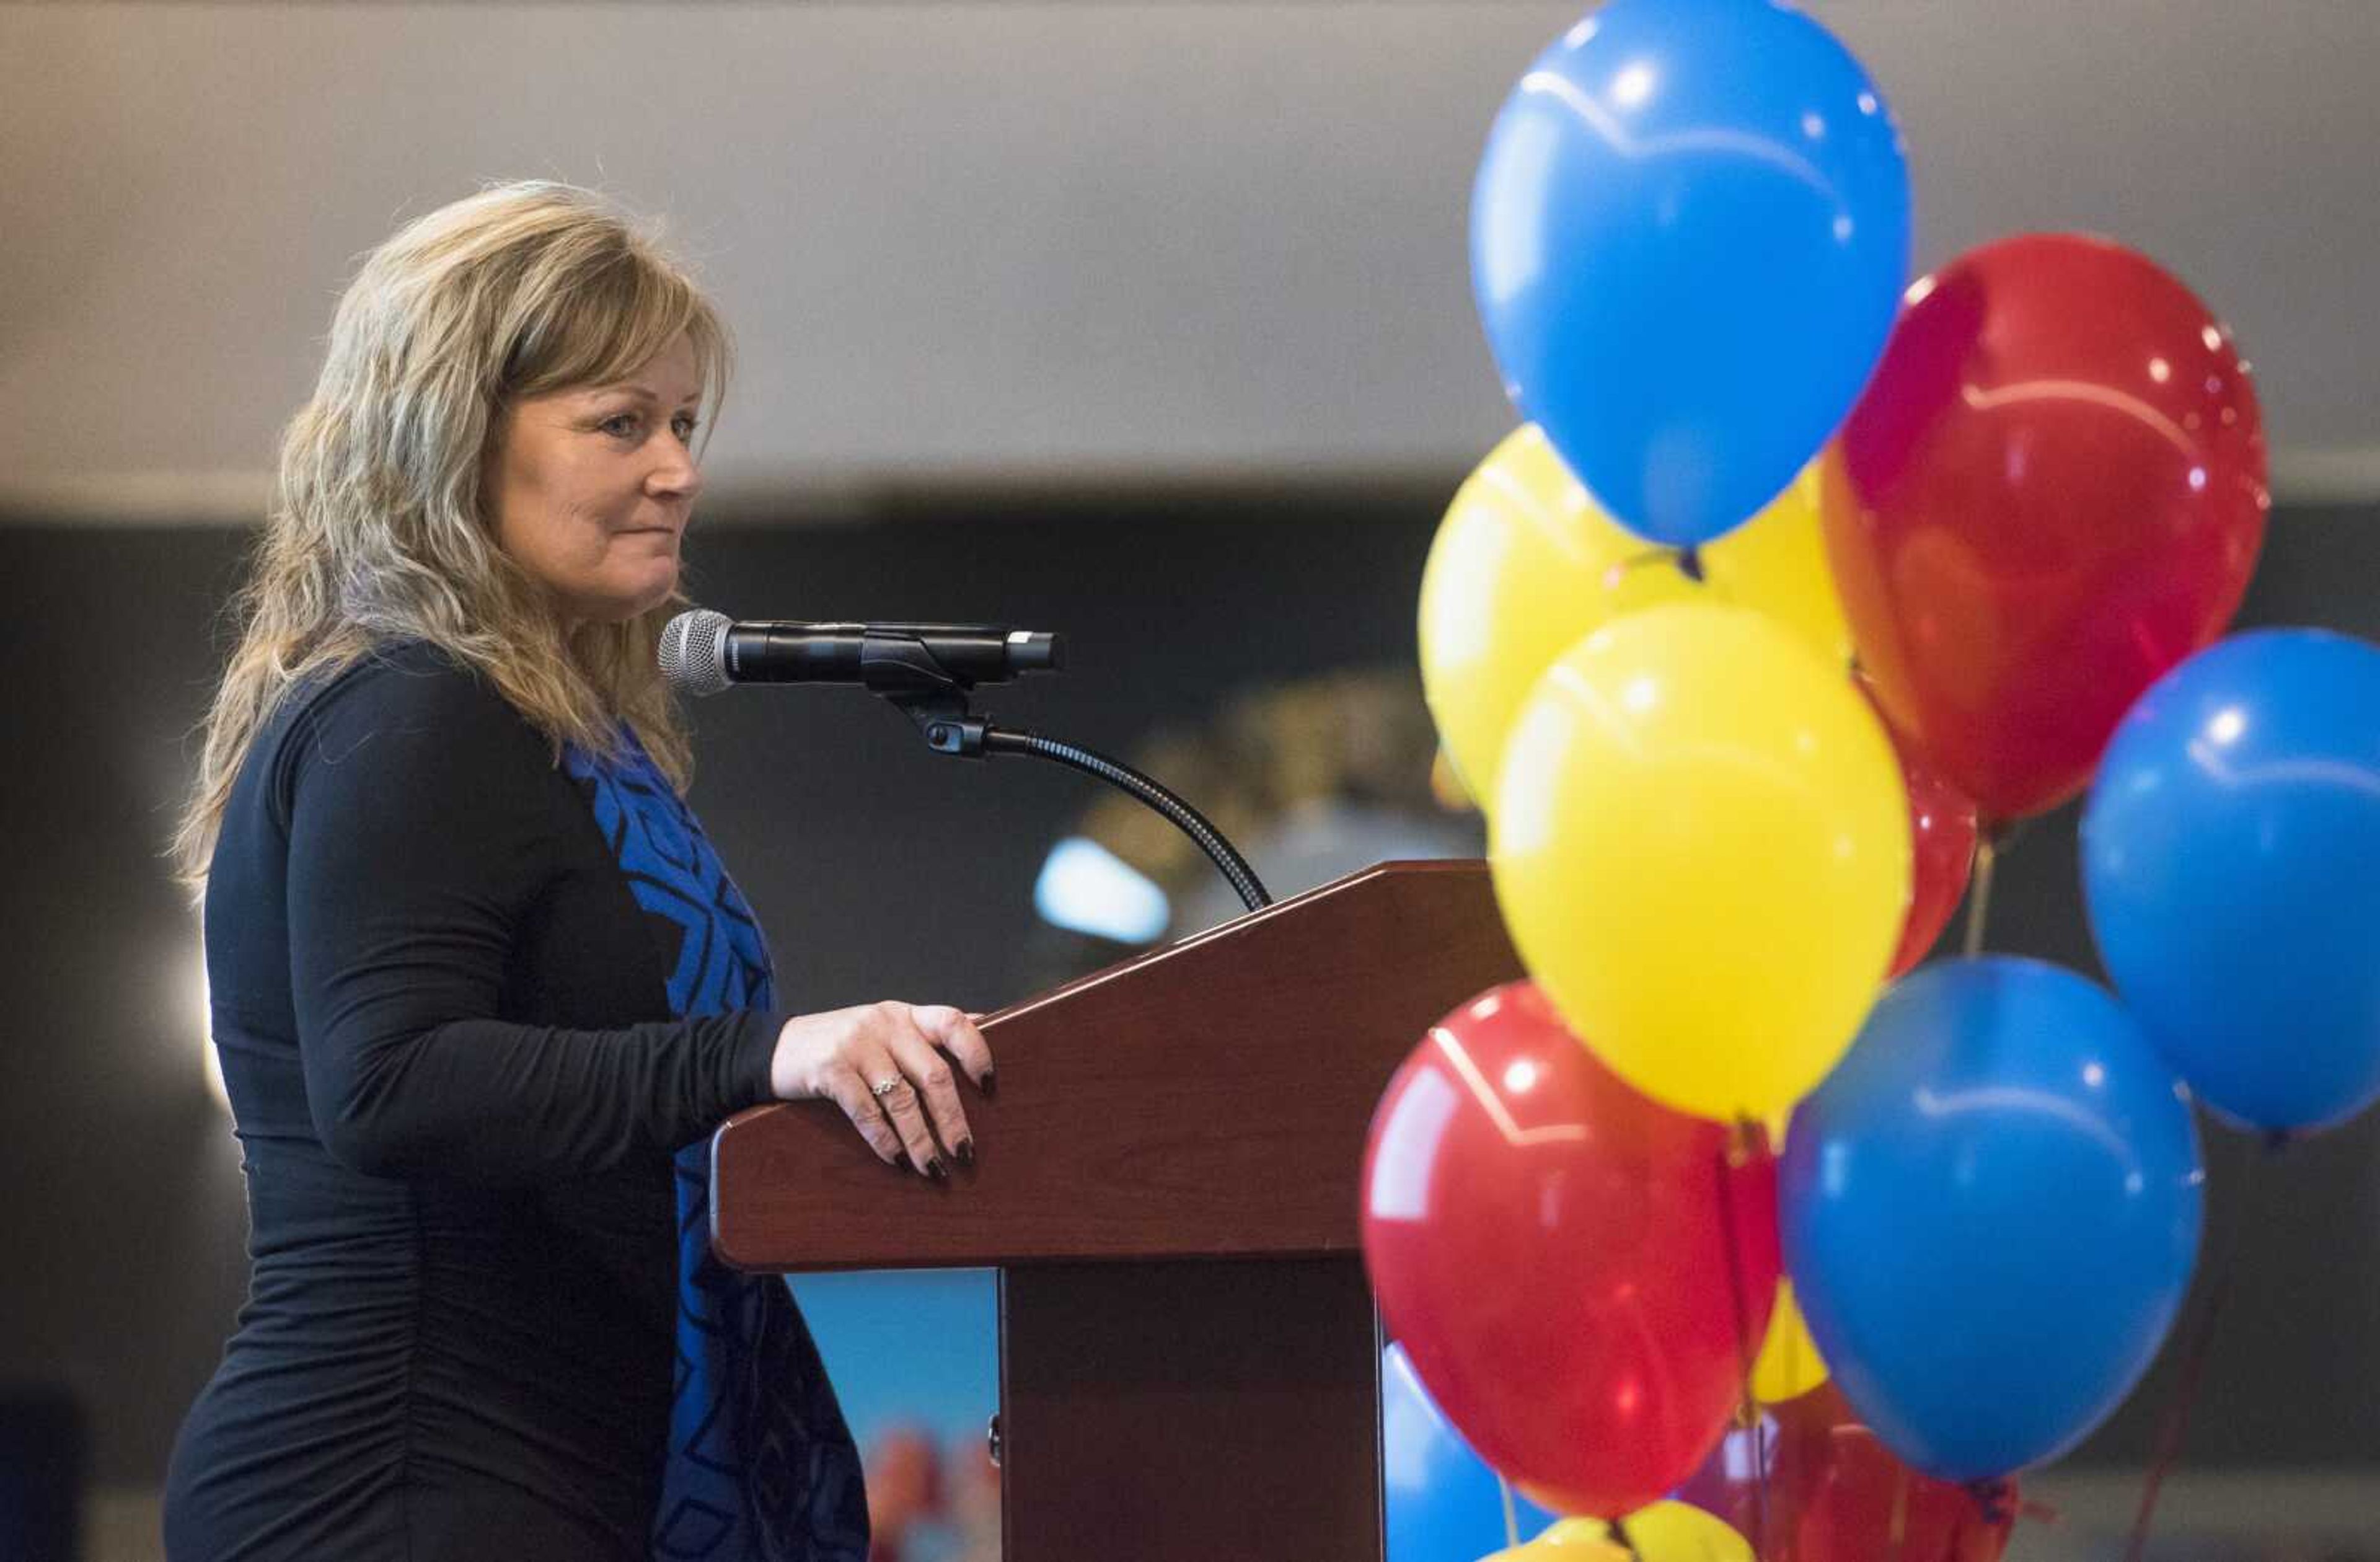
<point>883,1065</point>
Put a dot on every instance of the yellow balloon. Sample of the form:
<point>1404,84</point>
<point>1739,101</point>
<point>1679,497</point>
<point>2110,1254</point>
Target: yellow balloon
<point>1701,846</point>
<point>1788,1365</point>
<point>1667,1531</point>
<point>1525,563</point>
<point>1446,787</point>
<point>1776,564</point>
<point>1570,1540</point>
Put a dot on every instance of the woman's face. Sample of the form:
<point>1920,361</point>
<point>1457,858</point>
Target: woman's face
<point>591,487</point>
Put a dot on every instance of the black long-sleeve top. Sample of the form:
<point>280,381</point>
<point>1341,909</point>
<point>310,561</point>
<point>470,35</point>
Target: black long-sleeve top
<point>458,1086</point>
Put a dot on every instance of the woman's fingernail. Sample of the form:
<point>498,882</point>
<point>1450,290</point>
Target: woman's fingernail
<point>936,1170</point>
<point>966,1152</point>
<point>991,1083</point>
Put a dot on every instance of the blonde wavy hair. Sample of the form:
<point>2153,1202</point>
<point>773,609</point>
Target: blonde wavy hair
<point>377,531</point>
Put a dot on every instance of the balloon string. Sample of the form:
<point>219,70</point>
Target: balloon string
<point>1979,900</point>
<point>1512,1520</point>
<point>2018,1506</point>
<point>2175,1426</point>
<point>1731,1156</point>
<point>1759,1482</point>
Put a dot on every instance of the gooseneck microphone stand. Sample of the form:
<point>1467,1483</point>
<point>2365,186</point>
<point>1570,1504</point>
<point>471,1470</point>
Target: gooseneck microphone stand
<point>908,677</point>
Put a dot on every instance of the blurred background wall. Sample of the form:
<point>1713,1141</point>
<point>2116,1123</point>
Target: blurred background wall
<point>1146,323</point>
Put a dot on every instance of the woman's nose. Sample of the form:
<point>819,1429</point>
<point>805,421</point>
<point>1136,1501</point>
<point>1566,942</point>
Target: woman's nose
<point>676,473</point>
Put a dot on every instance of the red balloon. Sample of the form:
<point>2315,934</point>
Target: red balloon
<point>2052,491</point>
<point>1942,841</point>
<point>1579,1276</point>
<point>1834,1494</point>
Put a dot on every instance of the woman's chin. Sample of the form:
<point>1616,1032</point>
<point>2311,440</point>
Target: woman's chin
<point>628,600</point>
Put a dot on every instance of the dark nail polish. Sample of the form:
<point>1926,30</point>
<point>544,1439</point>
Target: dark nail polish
<point>936,1170</point>
<point>990,1083</point>
<point>966,1152</point>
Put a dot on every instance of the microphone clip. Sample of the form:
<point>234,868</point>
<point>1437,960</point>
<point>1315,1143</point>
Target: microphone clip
<point>944,719</point>
<point>905,674</point>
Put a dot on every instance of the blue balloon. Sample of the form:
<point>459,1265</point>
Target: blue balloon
<point>1443,1501</point>
<point>1689,238</point>
<point>1990,1212</point>
<point>2231,862</point>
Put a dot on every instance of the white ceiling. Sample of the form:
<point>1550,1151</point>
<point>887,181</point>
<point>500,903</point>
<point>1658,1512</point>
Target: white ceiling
<point>1056,241</point>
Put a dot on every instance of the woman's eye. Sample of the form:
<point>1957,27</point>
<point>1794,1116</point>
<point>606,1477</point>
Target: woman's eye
<point>621,424</point>
<point>686,427</point>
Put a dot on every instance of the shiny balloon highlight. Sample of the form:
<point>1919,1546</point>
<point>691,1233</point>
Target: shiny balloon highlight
<point>1576,1273</point>
<point>2053,491</point>
<point>1990,1211</point>
<point>1689,235</point>
<point>1701,846</point>
<point>1525,565</point>
<point>2232,864</point>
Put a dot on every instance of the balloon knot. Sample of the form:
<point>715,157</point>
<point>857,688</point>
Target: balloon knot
<point>1739,1142</point>
<point>1993,1499</point>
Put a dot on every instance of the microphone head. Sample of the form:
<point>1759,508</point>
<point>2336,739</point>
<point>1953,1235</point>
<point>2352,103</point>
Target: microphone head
<point>693,652</point>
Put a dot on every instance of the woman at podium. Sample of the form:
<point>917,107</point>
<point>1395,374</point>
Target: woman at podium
<point>480,985</point>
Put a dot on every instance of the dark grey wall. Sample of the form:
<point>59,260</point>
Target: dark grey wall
<point>881,871</point>
<point>2293,1376</point>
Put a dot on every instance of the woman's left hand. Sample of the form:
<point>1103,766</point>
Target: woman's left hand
<point>883,1065</point>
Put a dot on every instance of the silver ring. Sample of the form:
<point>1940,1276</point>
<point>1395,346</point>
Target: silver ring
<point>883,1088</point>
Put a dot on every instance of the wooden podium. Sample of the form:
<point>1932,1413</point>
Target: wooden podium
<point>1168,1183</point>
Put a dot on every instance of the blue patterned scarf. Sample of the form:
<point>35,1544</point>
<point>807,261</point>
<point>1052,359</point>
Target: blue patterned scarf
<point>762,1467</point>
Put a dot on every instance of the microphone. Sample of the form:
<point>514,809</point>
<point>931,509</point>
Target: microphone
<point>703,652</point>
